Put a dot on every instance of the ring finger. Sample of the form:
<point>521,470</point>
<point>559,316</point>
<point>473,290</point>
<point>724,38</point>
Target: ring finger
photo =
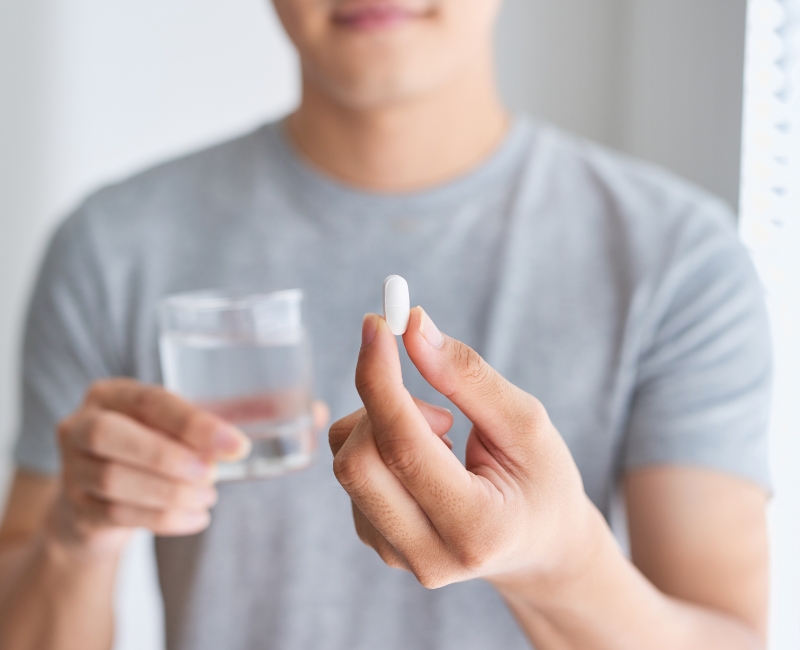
<point>121,483</point>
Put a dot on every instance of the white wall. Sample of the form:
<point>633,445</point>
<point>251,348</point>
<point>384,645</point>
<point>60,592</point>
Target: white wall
<point>92,90</point>
<point>661,79</point>
<point>683,92</point>
<point>21,205</point>
<point>560,60</point>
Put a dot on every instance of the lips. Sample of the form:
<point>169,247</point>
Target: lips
<point>374,15</point>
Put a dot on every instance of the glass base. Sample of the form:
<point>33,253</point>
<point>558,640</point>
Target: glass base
<point>276,450</point>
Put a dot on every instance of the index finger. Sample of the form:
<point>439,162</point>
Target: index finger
<point>440,420</point>
<point>341,429</point>
<point>429,471</point>
<point>163,411</point>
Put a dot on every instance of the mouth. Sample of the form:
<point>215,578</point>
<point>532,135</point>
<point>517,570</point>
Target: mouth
<point>375,14</point>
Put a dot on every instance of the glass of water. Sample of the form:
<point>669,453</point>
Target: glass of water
<point>247,359</point>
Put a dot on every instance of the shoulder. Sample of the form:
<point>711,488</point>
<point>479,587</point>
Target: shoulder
<point>186,186</point>
<point>644,194</point>
<point>207,169</point>
<point>641,214</point>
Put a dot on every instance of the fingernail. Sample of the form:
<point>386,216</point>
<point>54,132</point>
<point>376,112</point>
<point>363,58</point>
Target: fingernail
<point>441,409</point>
<point>368,330</point>
<point>429,331</point>
<point>231,441</point>
<point>447,440</point>
<point>200,470</point>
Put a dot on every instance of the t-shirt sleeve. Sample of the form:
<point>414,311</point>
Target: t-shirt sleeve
<point>703,389</point>
<point>68,343</point>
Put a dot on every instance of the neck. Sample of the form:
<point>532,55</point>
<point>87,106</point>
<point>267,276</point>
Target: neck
<point>405,146</point>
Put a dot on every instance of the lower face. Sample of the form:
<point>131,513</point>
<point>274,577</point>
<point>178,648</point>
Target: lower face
<point>372,52</point>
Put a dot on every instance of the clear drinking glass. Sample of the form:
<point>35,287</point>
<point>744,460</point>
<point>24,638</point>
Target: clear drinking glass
<point>247,359</point>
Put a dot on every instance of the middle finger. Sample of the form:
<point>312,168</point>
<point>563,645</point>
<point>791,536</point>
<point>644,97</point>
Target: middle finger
<point>381,497</point>
<point>440,420</point>
<point>133,486</point>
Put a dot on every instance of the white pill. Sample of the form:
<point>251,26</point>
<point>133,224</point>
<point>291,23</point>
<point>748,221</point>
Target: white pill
<point>396,304</point>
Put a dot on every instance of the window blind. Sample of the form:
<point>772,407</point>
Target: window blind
<point>770,227</point>
<point>770,195</point>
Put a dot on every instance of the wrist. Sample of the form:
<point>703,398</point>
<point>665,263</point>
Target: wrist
<point>68,554</point>
<point>68,540</point>
<point>586,549</point>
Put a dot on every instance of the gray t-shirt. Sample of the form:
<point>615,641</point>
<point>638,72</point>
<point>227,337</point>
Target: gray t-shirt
<point>617,294</point>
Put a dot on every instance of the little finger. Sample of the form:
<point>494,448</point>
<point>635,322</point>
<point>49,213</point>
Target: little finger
<point>160,522</point>
<point>368,534</point>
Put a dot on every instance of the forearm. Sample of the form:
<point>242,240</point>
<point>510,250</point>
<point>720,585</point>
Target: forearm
<point>605,603</point>
<point>53,599</point>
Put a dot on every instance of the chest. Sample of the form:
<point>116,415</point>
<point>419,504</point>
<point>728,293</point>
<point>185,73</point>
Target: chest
<point>551,322</point>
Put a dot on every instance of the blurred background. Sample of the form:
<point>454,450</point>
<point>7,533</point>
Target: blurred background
<point>92,91</point>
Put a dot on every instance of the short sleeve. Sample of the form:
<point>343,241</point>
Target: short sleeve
<point>703,390</point>
<point>68,343</point>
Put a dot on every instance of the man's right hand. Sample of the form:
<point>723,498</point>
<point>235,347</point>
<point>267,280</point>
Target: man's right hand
<point>135,455</point>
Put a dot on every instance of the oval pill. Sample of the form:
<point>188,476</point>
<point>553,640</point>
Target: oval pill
<point>396,304</point>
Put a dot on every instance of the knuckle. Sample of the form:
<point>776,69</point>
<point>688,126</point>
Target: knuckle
<point>469,362</point>
<point>107,478</point>
<point>393,561</point>
<point>100,427</point>
<point>337,433</point>
<point>159,458</point>
<point>172,494</point>
<point>114,513</point>
<point>350,471</point>
<point>475,372</point>
<point>364,387</point>
<point>97,391</point>
<point>400,456</point>
<point>369,390</point>
<point>537,412</point>
<point>340,430</point>
<point>148,398</point>
<point>532,416</point>
<point>198,425</point>
<point>476,551</point>
<point>73,492</point>
<point>470,558</point>
<point>428,577</point>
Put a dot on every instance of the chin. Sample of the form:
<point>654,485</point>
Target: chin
<point>372,89</point>
<point>373,53</point>
<point>372,77</point>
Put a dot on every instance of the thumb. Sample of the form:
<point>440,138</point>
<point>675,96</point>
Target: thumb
<point>492,403</point>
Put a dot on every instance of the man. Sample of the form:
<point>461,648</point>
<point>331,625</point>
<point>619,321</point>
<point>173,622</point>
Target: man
<point>615,294</point>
